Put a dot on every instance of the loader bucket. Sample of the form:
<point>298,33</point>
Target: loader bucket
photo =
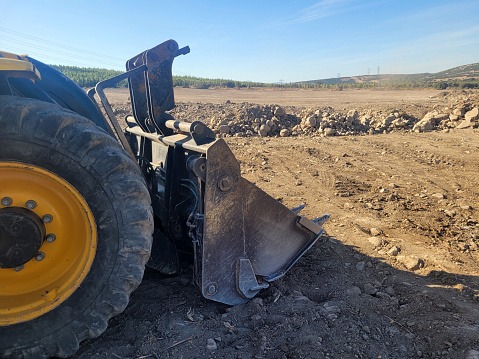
<point>240,238</point>
<point>249,238</point>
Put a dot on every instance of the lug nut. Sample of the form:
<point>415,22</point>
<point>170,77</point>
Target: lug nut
<point>7,201</point>
<point>31,204</point>
<point>51,237</point>
<point>40,256</point>
<point>47,218</point>
<point>19,268</point>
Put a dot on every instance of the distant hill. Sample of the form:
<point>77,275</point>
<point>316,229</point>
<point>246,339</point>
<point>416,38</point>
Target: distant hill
<point>466,76</point>
<point>460,73</point>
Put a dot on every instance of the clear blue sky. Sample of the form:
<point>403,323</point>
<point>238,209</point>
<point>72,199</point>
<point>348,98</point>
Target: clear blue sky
<point>258,40</point>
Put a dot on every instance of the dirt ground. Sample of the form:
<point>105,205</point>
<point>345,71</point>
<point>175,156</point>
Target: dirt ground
<point>346,99</point>
<point>394,276</point>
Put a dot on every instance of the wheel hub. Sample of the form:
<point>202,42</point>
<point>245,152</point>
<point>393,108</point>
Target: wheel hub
<point>48,241</point>
<point>22,234</point>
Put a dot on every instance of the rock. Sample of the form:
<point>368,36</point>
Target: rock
<point>393,185</point>
<point>472,115</point>
<point>393,251</point>
<point>370,289</point>
<point>211,344</point>
<point>427,127</point>
<point>213,121</point>
<point>450,212</point>
<point>224,129</point>
<point>262,133</point>
<point>440,117</point>
<point>465,124</point>
<point>388,120</point>
<point>376,241</point>
<point>279,112</point>
<point>353,114</point>
<point>285,132</point>
<point>332,316</point>
<point>459,112</point>
<point>360,266</point>
<point>310,121</point>
<point>375,232</point>
<point>438,195</point>
<point>426,124</point>
<point>332,308</point>
<point>466,207</point>
<point>399,123</point>
<point>390,291</point>
<point>353,291</point>
<point>265,128</point>
<point>256,303</point>
<point>412,263</point>
<point>472,354</point>
<point>329,131</point>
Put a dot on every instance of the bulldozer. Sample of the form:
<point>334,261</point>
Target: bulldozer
<point>88,201</point>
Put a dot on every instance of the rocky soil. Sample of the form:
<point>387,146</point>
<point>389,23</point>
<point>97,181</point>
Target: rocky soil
<point>394,276</point>
<point>246,120</point>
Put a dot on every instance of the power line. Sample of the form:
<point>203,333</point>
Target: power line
<point>48,50</point>
<point>39,55</point>
<point>37,39</point>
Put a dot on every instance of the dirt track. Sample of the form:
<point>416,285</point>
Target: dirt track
<point>410,292</point>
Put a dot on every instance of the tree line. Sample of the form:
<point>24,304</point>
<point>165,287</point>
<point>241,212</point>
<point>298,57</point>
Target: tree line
<point>89,77</point>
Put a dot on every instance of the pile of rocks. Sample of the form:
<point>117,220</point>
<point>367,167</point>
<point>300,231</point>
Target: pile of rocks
<point>462,116</point>
<point>245,119</point>
<point>250,120</point>
<point>271,120</point>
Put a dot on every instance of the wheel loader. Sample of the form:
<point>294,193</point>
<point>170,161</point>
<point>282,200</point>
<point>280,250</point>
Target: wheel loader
<point>87,203</point>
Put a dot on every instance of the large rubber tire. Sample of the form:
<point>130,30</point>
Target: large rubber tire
<point>76,150</point>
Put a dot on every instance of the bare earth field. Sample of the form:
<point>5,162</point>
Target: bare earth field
<point>395,275</point>
<point>350,98</point>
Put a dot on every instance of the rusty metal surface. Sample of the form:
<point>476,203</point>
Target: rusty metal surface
<point>244,223</point>
<point>223,241</point>
<point>275,237</point>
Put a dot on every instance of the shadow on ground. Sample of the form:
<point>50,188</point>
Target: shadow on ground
<point>335,303</point>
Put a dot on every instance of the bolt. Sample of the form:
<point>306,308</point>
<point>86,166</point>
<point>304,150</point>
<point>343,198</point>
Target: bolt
<point>31,204</point>
<point>212,289</point>
<point>47,218</point>
<point>225,183</point>
<point>7,201</point>
<point>40,256</point>
<point>199,129</point>
<point>19,268</point>
<point>51,237</point>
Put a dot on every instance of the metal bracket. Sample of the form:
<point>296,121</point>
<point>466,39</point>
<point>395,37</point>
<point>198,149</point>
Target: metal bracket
<point>246,279</point>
